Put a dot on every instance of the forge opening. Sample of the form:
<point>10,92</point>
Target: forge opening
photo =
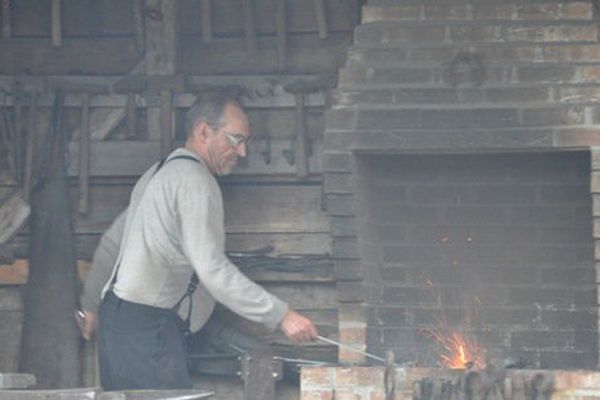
<point>496,249</point>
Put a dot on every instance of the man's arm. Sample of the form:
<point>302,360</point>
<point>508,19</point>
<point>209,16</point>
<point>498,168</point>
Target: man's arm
<point>202,239</point>
<point>103,261</point>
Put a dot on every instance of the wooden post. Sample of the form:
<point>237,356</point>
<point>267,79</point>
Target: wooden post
<point>30,148</point>
<point>206,21</point>
<point>131,115</point>
<point>56,23</point>
<point>321,18</point>
<point>84,154</point>
<point>138,22</point>
<point>280,25</point>
<point>166,121</point>
<point>160,54</point>
<point>301,150</point>
<point>250,26</point>
<point>6,23</point>
<point>259,372</point>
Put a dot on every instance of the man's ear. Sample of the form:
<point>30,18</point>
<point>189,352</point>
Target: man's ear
<point>201,132</point>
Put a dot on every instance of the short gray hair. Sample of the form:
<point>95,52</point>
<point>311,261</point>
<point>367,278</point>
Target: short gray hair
<point>209,107</point>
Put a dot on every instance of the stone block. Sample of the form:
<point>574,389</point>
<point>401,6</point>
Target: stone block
<point>578,10</point>
<point>16,381</point>
<point>409,12</point>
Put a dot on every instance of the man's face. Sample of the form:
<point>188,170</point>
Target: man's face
<point>228,142</point>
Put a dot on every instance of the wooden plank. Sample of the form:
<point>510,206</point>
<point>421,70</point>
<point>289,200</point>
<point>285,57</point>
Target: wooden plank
<point>16,381</point>
<point>14,212</point>
<point>259,91</point>
<point>116,158</point>
<point>161,51</point>
<point>166,394</point>
<point>84,155</point>
<point>281,34</point>
<point>306,54</point>
<point>138,24</point>
<point>56,394</point>
<point>37,56</point>
<point>207,20</point>
<point>132,158</point>
<point>17,273</point>
<point>106,17</point>
<point>6,19</point>
<point>55,15</point>
<point>305,295</point>
<point>321,15</point>
<point>249,26</point>
<point>228,21</point>
<point>274,208</point>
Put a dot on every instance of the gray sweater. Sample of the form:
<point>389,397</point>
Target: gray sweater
<point>175,223</point>
<point>105,257</point>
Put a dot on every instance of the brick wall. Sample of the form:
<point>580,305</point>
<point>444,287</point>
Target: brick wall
<point>368,383</point>
<point>498,246</point>
<point>469,77</point>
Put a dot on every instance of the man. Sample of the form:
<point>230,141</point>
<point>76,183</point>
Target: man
<point>174,220</point>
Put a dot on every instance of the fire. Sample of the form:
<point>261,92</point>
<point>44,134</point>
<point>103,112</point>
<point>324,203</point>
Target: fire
<point>459,351</point>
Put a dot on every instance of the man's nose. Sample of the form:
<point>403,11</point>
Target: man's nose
<point>241,150</point>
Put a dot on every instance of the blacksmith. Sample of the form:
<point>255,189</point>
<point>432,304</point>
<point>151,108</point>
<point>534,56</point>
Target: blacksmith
<point>174,221</point>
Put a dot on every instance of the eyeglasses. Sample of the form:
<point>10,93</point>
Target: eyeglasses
<point>236,139</point>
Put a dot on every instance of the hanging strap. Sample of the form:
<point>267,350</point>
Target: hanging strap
<point>193,283</point>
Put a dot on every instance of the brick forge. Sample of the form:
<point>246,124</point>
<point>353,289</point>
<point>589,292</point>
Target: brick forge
<point>368,383</point>
<point>459,146</point>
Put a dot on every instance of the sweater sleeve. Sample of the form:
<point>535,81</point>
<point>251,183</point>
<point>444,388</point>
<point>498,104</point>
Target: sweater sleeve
<point>103,261</point>
<point>200,210</point>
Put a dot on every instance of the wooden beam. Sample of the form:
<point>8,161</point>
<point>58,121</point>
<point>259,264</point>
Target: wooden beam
<point>17,273</point>
<point>107,55</point>
<point>56,23</point>
<point>138,24</point>
<point>250,26</point>
<point>6,19</point>
<point>84,155</point>
<point>132,158</point>
<point>321,18</point>
<point>14,211</point>
<point>301,54</point>
<point>259,91</point>
<point>281,27</point>
<point>301,15</point>
<point>166,122</point>
<point>206,21</point>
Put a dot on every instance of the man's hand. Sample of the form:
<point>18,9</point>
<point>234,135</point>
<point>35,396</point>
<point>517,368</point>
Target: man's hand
<point>87,322</point>
<point>298,328</point>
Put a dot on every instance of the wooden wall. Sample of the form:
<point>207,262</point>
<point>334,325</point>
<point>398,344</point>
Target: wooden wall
<point>266,202</point>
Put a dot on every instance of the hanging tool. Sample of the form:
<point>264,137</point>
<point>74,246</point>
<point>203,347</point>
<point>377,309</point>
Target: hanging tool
<point>281,28</point>
<point>321,18</point>
<point>166,122</point>
<point>131,112</point>
<point>84,154</point>
<point>301,149</point>
<point>56,23</point>
<point>249,26</point>
<point>138,23</point>
<point>6,22</point>
<point>85,91</point>
<point>206,21</point>
<point>6,137</point>
<point>30,146</point>
<point>345,346</point>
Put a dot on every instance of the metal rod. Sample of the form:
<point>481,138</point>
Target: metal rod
<point>345,346</point>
